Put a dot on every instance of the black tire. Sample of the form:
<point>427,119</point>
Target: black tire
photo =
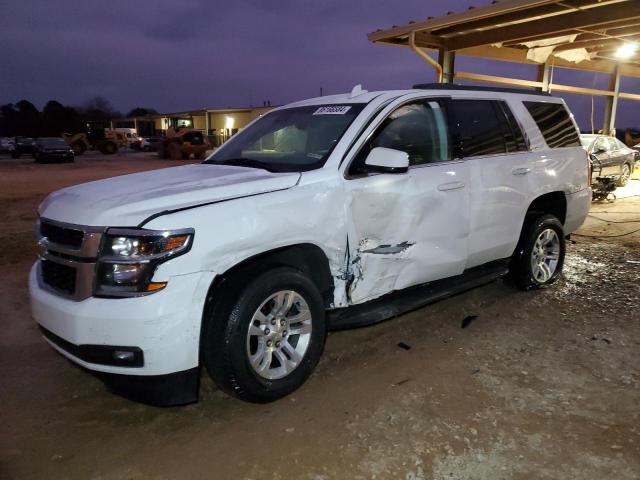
<point>175,153</point>
<point>108,148</point>
<point>201,155</point>
<point>78,148</point>
<point>625,174</point>
<point>521,268</point>
<point>225,328</point>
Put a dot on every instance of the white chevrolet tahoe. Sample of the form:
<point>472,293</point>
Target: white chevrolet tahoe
<point>332,212</point>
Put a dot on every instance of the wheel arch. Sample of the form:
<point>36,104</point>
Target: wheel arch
<point>306,257</point>
<point>552,203</point>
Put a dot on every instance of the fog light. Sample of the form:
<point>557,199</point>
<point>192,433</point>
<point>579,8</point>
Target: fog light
<point>123,356</point>
<point>122,273</point>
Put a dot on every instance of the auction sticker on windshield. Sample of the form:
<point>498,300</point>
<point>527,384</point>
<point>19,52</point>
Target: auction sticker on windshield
<point>332,110</point>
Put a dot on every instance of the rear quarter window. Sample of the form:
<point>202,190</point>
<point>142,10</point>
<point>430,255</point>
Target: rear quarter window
<point>554,123</point>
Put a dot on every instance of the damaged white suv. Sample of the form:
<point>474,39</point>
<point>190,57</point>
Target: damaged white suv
<point>326,213</point>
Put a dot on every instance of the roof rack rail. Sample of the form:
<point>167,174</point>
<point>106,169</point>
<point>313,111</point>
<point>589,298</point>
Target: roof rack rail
<point>454,86</point>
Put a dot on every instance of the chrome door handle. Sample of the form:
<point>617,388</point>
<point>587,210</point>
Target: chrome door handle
<point>450,186</point>
<point>520,171</point>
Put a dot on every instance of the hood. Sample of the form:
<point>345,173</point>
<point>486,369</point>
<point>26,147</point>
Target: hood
<point>129,199</point>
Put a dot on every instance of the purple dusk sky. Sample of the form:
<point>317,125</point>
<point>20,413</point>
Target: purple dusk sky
<point>180,55</point>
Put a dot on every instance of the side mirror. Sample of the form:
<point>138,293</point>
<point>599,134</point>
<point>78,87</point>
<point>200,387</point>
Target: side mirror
<point>387,160</point>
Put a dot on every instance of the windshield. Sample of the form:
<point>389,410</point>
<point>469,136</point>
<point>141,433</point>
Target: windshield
<point>289,140</point>
<point>52,142</point>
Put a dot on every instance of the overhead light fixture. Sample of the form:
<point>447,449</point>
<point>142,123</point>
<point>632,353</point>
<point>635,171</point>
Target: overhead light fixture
<point>626,50</point>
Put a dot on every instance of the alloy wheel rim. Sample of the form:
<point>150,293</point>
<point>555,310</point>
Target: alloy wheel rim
<point>545,255</point>
<point>279,335</point>
<point>625,174</point>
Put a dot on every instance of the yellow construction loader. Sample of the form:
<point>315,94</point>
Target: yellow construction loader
<point>181,143</point>
<point>105,141</point>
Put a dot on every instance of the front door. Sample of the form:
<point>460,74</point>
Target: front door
<point>407,228</point>
<point>601,154</point>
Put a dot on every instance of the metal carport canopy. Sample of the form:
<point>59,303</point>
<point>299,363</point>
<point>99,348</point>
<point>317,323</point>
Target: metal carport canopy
<point>576,34</point>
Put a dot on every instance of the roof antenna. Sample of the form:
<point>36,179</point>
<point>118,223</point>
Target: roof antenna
<point>357,90</point>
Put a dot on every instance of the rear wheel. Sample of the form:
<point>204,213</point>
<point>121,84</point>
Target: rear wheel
<point>108,148</point>
<point>263,340</point>
<point>201,155</point>
<point>539,257</point>
<point>625,174</point>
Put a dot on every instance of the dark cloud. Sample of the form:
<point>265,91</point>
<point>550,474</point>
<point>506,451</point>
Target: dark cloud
<point>179,55</point>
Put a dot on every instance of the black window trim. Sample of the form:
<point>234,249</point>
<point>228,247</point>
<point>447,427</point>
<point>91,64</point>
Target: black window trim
<point>504,104</point>
<point>377,118</point>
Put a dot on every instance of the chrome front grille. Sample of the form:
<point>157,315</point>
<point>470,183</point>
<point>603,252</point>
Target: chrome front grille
<point>68,258</point>
<point>65,236</point>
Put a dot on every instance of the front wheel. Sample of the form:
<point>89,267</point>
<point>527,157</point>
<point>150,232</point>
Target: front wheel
<point>264,341</point>
<point>539,256</point>
<point>78,148</point>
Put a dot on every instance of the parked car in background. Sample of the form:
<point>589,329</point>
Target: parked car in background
<point>23,146</point>
<point>132,137</point>
<point>330,212</point>
<point>6,144</point>
<point>150,144</point>
<point>609,156</point>
<point>636,151</point>
<point>52,150</point>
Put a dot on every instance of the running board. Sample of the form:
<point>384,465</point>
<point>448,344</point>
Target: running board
<point>397,303</point>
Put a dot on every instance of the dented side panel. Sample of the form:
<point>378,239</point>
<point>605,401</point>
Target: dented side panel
<point>228,233</point>
<point>406,229</point>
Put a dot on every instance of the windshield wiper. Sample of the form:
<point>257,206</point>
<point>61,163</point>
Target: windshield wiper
<point>244,162</point>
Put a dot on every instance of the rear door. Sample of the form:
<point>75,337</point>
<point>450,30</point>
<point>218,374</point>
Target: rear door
<point>409,228</point>
<point>617,156</point>
<point>491,141</point>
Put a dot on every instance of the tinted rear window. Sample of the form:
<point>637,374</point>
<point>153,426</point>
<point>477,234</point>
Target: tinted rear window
<point>513,134</point>
<point>480,127</point>
<point>554,122</point>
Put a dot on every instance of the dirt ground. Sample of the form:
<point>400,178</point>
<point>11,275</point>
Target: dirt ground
<point>541,385</point>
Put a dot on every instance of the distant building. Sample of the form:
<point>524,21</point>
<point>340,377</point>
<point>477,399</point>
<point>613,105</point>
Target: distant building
<point>218,124</point>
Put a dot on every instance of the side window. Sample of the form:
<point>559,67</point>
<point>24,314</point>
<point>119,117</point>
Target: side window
<point>600,145</point>
<point>513,135</point>
<point>480,128</point>
<point>419,128</point>
<point>613,144</point>
<point>554,123</point>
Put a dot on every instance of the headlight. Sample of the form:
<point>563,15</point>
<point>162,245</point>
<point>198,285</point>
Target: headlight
<point>129,257</point>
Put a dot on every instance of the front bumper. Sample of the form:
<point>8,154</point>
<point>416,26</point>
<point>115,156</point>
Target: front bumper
<point>165,326</point>
<point>163,331</point>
